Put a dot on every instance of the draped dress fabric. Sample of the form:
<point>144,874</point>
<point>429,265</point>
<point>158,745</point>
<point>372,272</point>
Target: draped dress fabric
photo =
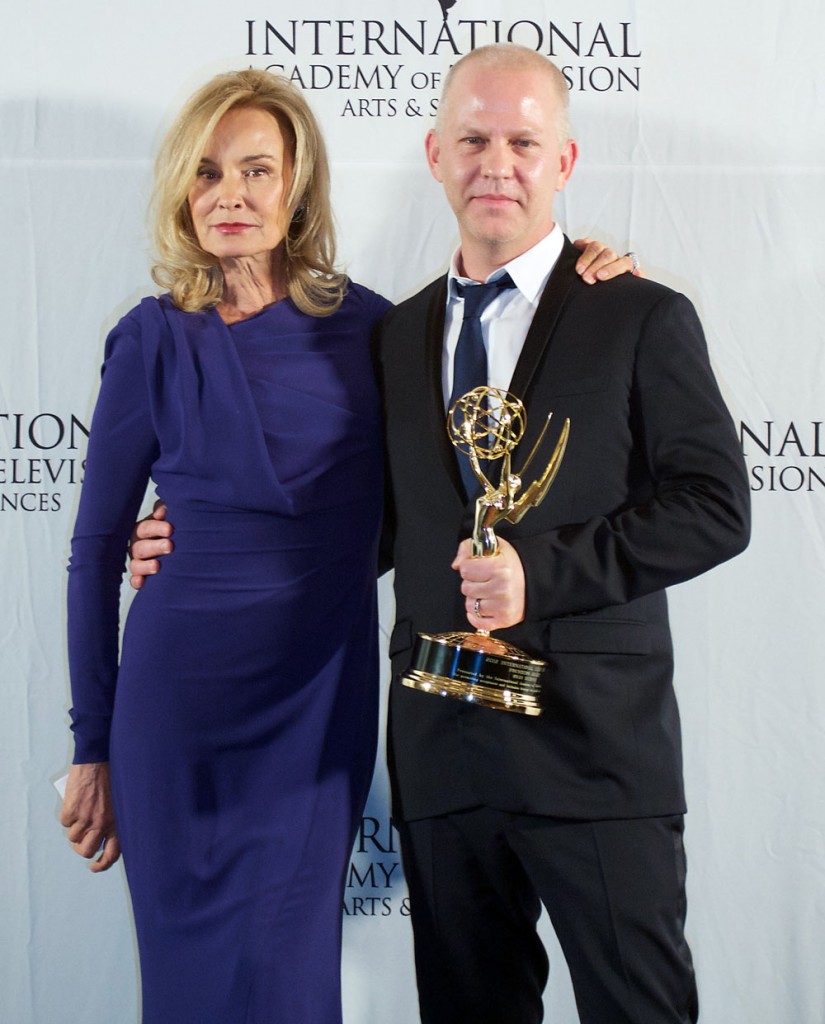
<point>241,722</point>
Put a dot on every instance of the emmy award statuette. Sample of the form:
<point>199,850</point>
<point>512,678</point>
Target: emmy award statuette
<point>486,425</point>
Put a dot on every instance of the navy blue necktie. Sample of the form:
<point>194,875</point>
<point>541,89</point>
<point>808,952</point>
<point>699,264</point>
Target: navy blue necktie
<point>470,360</point>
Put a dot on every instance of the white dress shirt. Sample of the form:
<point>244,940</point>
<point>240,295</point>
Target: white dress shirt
<point>506,320</point>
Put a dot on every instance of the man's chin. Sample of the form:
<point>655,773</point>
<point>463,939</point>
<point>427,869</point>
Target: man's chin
<point>494,230</point>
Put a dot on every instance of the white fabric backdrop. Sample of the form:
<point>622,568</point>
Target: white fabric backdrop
<point>702,147</point>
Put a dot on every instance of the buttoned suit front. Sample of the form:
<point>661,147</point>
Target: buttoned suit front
<point>652,492</point>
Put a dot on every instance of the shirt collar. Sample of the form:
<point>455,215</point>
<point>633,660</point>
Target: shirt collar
<point>529,271</point>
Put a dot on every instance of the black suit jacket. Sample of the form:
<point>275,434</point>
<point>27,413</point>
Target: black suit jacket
<point>652,491</point>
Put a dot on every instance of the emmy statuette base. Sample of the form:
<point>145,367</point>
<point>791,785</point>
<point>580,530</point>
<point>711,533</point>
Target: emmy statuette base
<point>478,669</point>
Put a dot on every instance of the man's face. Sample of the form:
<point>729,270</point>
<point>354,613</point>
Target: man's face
<point>498,155</point>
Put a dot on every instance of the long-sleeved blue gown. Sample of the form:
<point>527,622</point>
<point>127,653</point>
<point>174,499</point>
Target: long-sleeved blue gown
<point>241,722</point>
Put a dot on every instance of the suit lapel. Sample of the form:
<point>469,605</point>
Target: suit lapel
<point>434,346</point>
<point>550,305</point>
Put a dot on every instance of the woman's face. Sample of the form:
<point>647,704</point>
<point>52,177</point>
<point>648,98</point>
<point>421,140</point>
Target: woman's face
<point>238,199</point>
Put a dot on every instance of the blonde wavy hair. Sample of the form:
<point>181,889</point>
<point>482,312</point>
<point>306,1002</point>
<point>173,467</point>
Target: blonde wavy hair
<point>194,276</point>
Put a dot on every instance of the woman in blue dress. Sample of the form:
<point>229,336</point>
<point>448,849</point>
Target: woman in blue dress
<point>234,743</point>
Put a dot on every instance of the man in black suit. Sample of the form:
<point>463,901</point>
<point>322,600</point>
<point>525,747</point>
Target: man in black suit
<point>580,809</point>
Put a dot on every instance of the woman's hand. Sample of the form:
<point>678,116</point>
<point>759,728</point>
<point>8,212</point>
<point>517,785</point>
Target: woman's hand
<point>88,814</point>
<point>599,262</point>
